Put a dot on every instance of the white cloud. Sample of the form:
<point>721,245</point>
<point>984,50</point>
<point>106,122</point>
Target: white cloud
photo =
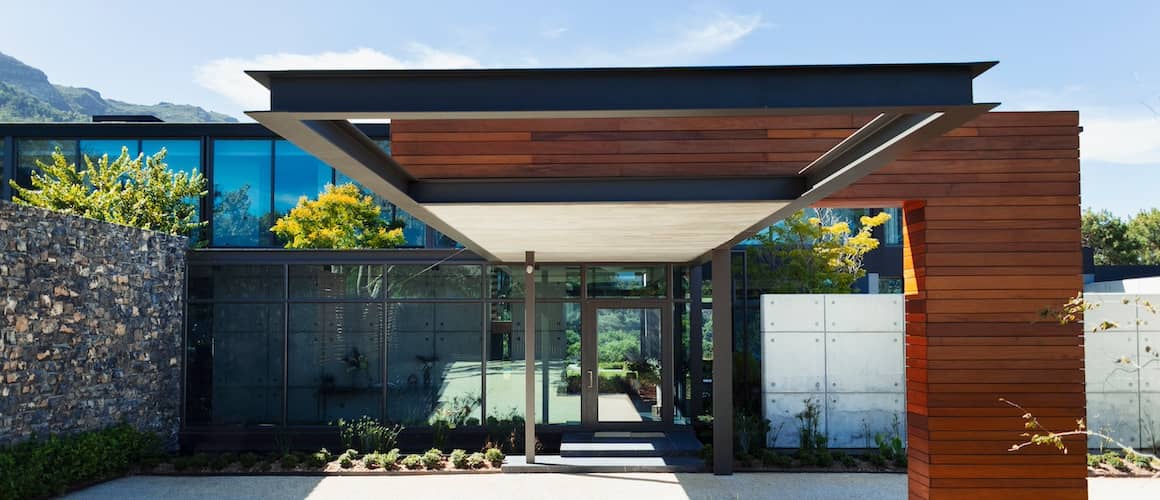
<point>680,44</point>
<point>226,76</point>
<point>1120,139</point>
<point>553,33</point>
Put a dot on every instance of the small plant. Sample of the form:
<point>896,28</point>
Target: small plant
<point>413,462</point>
<point>289,461</point>
<point>476,460</point>
<point>199,461</point>
<point>439,431</point>
<point>809,423</point>
<point>494,456</point>
<point>807,458</point>
<point>1117,463</point>
<point>367,434</point>
<point>373,461</point>
<point>352,453</point>
<point>433,459</point>
<point>181,463</point>
<point>825,459</point>
<point>1094,460</point>
<point>345,462</point>
<point>263,466</point>
<point>319,458</point>
<point>391,459</point>
<point>248,460</point>
<point>219,462</point>
<point>772,458</point>
<point>877,459</point>
<point>459,459</point>
<point>844,458</point>
<point>750,430</point>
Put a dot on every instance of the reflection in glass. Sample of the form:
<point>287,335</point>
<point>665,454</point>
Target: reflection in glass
<point>443,281</point>
<point>95,148</point>
<point>336,281</point>
<point>626,281</point>
<point>28,152</point>
<point>234,360</point>
<point>242,215</point>
<point>335,362</point>
<point>434,363</point>
<point>628,346</point>
<point>297,174</point>
<point>246,282</point>
<point>557,362</point>
<point>556,282</point>
<point>506,282</point>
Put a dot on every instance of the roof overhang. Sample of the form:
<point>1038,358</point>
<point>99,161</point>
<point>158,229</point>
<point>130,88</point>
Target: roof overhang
<point>616,219</point>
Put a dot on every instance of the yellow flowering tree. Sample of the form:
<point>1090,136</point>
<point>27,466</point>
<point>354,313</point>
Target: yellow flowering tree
<point>341,218</point>
<point>134,191</point>
<point>806,255</point>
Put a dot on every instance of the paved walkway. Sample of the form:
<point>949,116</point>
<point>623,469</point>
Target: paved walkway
<point>550,486</point>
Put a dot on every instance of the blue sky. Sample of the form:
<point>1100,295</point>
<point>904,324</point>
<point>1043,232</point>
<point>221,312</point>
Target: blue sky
<point>1097,57</point>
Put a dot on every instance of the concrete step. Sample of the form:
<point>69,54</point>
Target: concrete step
<point>557,463</point>
<point>630,444</point>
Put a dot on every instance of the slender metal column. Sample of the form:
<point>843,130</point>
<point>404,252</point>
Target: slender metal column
<point>696,332</point>
<point>722,362</point>
<point>530,356</point>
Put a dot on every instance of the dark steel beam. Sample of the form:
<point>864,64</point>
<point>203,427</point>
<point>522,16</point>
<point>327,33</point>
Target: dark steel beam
<point>722,360</point>
<point>608,190</point>
<point>618,91</point>
<point>159,130</point>
<point>883,140</point>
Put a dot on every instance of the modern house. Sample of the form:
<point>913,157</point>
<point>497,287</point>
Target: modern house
<point>555,214</point>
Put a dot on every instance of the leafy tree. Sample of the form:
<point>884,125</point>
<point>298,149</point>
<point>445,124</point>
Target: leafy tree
<point>341,218</point>
<point>1144,230</point>
<point>141,192</point>
<point>1110,239</point>
<point>806,255</point>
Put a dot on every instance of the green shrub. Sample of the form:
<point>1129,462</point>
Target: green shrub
<point>373,461</point>
<point>433,459</point>
<point>367,434</point>
<point>222,461</point>
<point>825,459</point>
<point>494,456</point>
<point>48,467</point>
<point>318,459</point>
<point>877,459</point>
<point>345,462</point>
<point>459,459</point>
<point>391,459</point>
<point>199,461</point>
<point>476,460</point>
<point>248,459</point>
<point>413,462</point>
<point>180,463</point>
<point>289,461</point>
<point>807,457</point>
<point>1117,463</point>
<point>844,458</point>
<point>1094,460</point>
<point>264,466</point>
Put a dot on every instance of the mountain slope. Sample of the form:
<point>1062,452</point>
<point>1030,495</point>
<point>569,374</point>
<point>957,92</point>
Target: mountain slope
<point>26,95</point>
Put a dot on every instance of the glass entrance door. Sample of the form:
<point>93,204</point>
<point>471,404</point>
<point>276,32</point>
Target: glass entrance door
<point>623,364</point>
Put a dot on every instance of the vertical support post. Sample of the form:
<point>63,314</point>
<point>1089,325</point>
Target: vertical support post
<point>530,356</point>
<point>667,398</point>
<point>722,362</point>
<point>696,331</point>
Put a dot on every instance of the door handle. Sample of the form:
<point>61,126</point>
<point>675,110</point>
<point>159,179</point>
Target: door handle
<point>590,379</point>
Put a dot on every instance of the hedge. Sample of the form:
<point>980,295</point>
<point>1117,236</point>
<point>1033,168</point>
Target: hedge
<point>42,468</point>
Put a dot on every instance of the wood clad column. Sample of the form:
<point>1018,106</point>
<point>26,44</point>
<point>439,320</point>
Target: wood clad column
<point>976,278</point>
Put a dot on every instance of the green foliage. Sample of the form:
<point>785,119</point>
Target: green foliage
<point>341,218</point>
<point>825,458</point>
<point>391,459</point>
<point>433,459</point>
<point>476,460</point>
<point>49,467</point>
<point>373,460</point>
<point>1108,237</point>
<point>844,458</point>
<point>289,461</point>
<point>1094,460</point>
<point>439,431</point>
<point>368,434</point>
<point>494,456</point>
<point>771,458</point>
<point>749,431</point>
<point>810,436</point>
<point>249,459</point>
<point>808,255</point>
<point>141,192</point>
<point>351,452</point>
<point>1144,228</point>
<point>345,462</point>
<point>199,460</point>
<point>413,462</point>
<point>459,459</point>
<point>319,458</point>
<point>222,461</point>
<point>877,459</point>
<point>1117,463</point>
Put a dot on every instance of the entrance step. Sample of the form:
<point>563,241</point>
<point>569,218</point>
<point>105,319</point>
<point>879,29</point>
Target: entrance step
<point>557,463</point>
<point>630,444</point>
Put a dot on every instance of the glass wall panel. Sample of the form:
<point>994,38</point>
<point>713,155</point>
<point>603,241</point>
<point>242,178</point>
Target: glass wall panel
<point>444,281</point>
<point>414,230</point>
<point>434,362</point>
<point>626,281</point>
<point>557,362</point>
<point>892,230</point>
<point>506,282</point>
<point>243,282</point>
<point>242,212</point>
<point>181,155</point>
<point>95,148</point>
<point>336,281</point>
<point>28,152</point>
<point>335,362</point>
<point>628,347</point>
<point>234,355</point>
<point>557,282</point>
<point>682,376</point>
<point>296,174</point>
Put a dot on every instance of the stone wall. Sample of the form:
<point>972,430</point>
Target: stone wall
<point>90,333</point>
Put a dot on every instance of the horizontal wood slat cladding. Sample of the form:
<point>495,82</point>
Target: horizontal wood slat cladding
<point>991,237</point>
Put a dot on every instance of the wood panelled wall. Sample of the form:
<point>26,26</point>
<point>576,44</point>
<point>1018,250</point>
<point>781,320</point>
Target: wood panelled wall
<point>992,236</point>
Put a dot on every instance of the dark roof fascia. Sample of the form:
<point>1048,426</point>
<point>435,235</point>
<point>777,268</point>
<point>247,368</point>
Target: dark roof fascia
<point>157,130</point>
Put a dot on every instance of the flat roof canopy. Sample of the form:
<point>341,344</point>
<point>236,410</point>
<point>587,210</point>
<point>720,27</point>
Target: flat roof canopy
<point>628,219</point>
